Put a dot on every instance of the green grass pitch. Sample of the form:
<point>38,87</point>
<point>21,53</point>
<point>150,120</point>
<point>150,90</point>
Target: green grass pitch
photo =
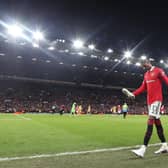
<point>31,134</point>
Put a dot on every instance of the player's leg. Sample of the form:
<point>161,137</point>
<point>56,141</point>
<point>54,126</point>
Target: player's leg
<point>61,112</point>
<point>160,132</point>
<point>124,114</point>
<point>151,120</point>
<point>155,112</point>
<point>141,151</point>
<point>149,130</point>
<point>71,112</point>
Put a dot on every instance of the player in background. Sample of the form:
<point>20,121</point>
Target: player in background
<point>152,84</point>
<point>73,108</point>
<point>114,109</point>
<point>89,109</point>
<point>62,109</point>
<point>80,109</point>
<point>119,109</point>
<point>77,109</point>
<point>124,110</point>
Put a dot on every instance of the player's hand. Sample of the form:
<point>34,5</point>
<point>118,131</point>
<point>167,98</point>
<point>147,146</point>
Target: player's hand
<point>128,93</point>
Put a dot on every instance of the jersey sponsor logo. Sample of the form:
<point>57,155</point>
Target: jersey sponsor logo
<point>150,81</point>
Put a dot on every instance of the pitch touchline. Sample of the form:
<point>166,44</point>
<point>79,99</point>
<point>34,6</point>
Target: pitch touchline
<point>25,118</point>
<point>21,118</point>
<point>71,153</point>
<point>7,119</point>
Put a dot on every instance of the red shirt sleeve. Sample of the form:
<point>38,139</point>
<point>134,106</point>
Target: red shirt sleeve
<point>141,89</point>
<point>163,76</point>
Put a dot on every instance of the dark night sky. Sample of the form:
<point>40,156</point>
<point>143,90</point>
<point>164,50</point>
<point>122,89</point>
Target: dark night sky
<point>114,24</point>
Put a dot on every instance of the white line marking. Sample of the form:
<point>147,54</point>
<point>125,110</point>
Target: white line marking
<point>7,119</point>
<point>71,153</point>
<point>19,118</point>
<point>25,118</point>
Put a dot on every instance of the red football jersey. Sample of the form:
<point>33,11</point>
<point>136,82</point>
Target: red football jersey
<point>152,84</point>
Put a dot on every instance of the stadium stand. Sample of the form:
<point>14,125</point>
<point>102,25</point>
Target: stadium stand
<point>22,96</point>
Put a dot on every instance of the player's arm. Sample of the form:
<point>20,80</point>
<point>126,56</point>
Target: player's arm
<point>163,76</point>
<point>128,93</point>
<point>141,89</point>
<point>138,91</point>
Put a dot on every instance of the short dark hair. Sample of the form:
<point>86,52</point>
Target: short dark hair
<point>146,61</point>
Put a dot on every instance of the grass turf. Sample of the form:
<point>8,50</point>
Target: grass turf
<point>47,134</point>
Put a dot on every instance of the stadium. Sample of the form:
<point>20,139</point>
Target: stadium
<point>63,67</point>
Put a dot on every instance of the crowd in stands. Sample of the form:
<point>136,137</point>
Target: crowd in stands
<point>40,98</point>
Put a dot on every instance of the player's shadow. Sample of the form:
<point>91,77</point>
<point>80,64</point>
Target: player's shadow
<point>134,158</point>
<point>145,158</point>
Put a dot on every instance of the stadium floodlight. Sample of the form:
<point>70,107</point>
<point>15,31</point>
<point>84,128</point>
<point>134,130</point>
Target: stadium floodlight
<point>73,65</point>
<point>51,48</point>
<point>143,57</point>
<point>128,62</point>
<point>91,46</point>
<point>22,43</point>
<point>151,59</point>
<point>2,54</point>
<point>66,50</point>
<point>19,57</point>
<point>110,50</point>
<point>85,66</point>
<point>94,56</point>
<point>37,35</point>
<point>161,61</point>
<point>128,54</point>
<point>15,30</point>
<point>81,53</point>
<point>48,61</point>
<point>138,64</point>
<point>35,45</point>
<point>34,59</point>
<point>116,60</point>
<point>106,58</point>
<point>78,44</point>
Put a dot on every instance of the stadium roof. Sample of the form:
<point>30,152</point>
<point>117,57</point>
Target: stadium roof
<point>45,43</point>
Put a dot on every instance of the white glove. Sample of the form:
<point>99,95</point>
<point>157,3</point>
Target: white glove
<point>128,93</point>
